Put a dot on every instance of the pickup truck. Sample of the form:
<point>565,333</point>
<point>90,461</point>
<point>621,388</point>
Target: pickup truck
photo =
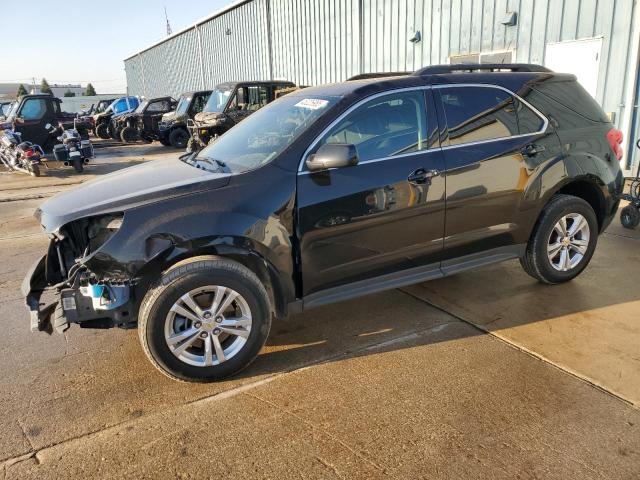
<point>31,114</point>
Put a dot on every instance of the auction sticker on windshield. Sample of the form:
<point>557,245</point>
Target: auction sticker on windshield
<point>312,103</point>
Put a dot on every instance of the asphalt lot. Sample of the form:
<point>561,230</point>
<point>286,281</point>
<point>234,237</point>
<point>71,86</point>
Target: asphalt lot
<point>482,375</point>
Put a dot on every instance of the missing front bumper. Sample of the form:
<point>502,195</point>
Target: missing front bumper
<point>40,315</point>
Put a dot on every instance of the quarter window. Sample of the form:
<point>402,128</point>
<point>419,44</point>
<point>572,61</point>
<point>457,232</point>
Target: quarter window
<point>384,127</point>
<point>528,120</point>
<point>478,113</point>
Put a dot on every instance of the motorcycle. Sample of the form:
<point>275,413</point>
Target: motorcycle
<point>72,151</point>
<point>20,156</point>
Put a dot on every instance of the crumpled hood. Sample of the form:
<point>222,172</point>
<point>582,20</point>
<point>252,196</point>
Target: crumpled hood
<point>208,117</point>
<point>128,188</point>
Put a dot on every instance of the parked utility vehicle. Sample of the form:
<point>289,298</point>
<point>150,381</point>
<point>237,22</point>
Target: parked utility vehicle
<point>142,123</point>
<point>327,194</point>
<point>104,126</point>
<point>31,114</point>
<point>229,104</point>
<point>172,129</point>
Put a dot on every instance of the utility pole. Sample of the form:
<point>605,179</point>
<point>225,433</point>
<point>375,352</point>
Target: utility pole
<point>167,19</point>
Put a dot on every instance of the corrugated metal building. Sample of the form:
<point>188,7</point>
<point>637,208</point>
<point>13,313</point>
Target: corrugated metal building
<point>319,41</point>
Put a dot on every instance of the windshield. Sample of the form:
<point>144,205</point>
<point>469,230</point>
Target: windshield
<point>141,107</point>
<point>183,105</point>
<point>12,109</point>
<point>217,101</point>
<point>263,135</point>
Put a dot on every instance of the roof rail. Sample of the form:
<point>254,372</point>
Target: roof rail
<point>364,76</point>
<point>470,67</point>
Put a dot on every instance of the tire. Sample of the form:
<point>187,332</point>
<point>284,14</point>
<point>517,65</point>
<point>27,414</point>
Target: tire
<point>34,170</point>
<point>178,138</point>
<point>102,131</point>
<point>156,318</point>
<point>129,135</point>
<point>164,142</point>
<point>630,217</point>
<point>78,165</point>
<point>537,262</point>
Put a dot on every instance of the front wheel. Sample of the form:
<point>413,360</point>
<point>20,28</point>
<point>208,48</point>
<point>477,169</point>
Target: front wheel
<point>129,135</point>
<point>563,240</point>
<point>178,138</point>
<point>204,320</point>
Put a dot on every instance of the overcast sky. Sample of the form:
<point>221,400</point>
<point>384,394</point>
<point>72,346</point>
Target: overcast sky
<point>73,41</point>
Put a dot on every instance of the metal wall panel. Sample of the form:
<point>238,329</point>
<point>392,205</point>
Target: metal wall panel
<point>318,41</point>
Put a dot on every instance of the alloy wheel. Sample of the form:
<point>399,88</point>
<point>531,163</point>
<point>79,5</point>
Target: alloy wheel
<point>568,242</point>
<point>208,325</point>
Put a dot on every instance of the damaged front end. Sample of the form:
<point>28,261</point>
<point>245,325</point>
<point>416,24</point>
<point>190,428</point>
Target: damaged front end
<point>78,295</point>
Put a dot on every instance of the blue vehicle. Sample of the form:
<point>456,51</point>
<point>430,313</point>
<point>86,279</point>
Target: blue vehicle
<point>104,126</point>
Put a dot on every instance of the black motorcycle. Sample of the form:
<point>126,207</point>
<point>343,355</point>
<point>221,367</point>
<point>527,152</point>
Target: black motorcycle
<point>20,156</point>
<point>73,151</point>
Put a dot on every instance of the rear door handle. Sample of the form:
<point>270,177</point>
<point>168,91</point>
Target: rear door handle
<point>532,149</point>
<point>422,176</point>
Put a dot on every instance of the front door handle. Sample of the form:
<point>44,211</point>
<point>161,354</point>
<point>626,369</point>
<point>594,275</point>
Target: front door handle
<point>532,149</point>
<point>422,176</point>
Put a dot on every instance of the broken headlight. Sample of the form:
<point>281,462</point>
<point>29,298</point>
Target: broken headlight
<point>101,229</point>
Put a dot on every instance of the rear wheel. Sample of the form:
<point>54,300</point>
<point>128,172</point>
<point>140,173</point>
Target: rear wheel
<point>630,216</point>
<point>34,170</point>
<point>563,240</point>
<point>78,165</point>
<point>178,138</point>
<point>204,320</point>
<point>129,134</point>
<point>102,131</point>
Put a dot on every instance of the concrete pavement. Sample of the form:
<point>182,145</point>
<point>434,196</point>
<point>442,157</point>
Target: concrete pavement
<point>386,386</point>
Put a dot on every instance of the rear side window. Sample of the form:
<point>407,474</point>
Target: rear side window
<point>478,113</point>
<point>384,127</point>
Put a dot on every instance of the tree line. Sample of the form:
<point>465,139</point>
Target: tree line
<point>90,91</point>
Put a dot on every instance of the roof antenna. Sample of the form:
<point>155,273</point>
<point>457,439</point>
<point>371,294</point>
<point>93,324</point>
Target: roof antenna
<point>167,19</point>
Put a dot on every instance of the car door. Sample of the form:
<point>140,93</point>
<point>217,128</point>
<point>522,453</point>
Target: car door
<point>154,112</point>
<point>494,143</point>
<point>31,119</point>
<point>383,215</point>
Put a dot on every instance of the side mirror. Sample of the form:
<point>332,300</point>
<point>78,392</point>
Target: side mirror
<point>333,155</point>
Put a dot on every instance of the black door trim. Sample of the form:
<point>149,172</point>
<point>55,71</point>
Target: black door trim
<point>407,277</point>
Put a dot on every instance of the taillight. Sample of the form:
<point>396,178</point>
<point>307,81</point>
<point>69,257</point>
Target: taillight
<point>614,136</point>
<point>29,152</point>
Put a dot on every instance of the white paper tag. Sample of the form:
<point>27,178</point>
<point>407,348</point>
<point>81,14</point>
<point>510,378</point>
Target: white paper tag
<point>312,103</point>
<point>68,303</point>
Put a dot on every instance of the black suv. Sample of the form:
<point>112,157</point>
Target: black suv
<point>229,104</point>
<point>326,194</point>
<point>172,129</point>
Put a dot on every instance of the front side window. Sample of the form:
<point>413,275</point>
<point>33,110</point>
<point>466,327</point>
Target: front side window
<point>34,109</point>
<point>264,135</point>
<point>384,127</point>
<point>217,100</point>
<point>478,113</point>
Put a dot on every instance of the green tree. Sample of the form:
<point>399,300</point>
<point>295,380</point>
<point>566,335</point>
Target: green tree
<point>22,90</point>
<point>69,93</point>
<point>44,86</point>
<point>90,92</point>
